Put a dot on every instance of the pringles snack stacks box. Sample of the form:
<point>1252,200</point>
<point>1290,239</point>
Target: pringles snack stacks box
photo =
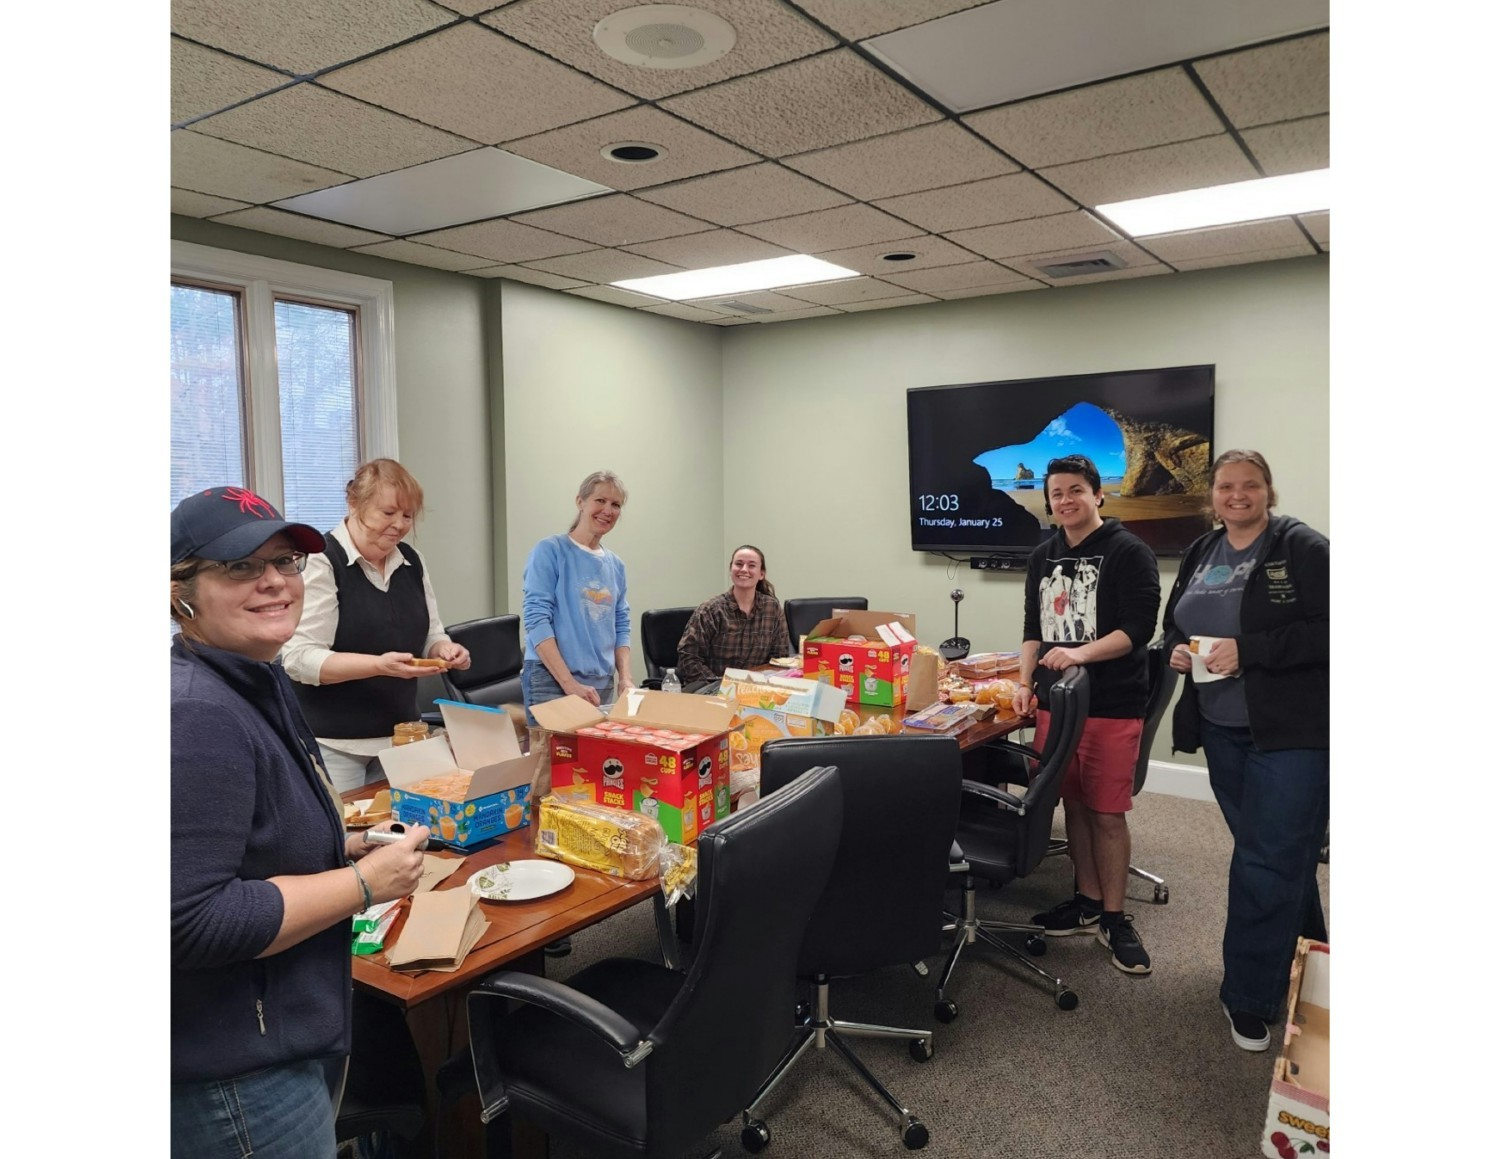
<point>867,654</point>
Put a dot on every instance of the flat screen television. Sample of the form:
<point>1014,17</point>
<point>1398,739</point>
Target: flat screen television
<point>978,453</point>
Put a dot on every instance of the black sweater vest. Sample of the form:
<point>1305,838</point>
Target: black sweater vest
<point>370,621</point>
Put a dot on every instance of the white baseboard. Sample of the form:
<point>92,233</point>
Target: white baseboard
<point>1178,780</point>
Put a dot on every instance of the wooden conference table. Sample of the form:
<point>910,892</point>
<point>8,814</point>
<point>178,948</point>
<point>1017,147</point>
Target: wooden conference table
<point>434,1002</point>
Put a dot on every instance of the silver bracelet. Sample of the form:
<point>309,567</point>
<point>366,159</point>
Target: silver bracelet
<point>363,887</point>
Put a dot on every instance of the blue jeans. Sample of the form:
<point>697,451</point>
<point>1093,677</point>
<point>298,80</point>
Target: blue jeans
<point>538,687</point>
<point>1276,806</point>
<point>279,1112</point>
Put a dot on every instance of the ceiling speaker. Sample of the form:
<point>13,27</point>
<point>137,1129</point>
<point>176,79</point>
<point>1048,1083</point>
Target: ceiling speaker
<point>664,36</point>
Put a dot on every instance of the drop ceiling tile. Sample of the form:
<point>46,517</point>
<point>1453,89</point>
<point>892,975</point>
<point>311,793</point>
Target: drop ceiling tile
<point>765,299</point>
<point>810,104</point>
<point>1244,259</point>
<point>209,165</point>
<point>701,251</point>
<point>1275,233</point>
<point>1000,199</point>
<point>686,151</point>
<point>328,129</point>
<point>793,315</point>
<point>767,33</point>
<point>1136,112</point>
<point>945,279</point>
<point>1036,235</point>
<point>529,276</point>
<point>684,311</point>
<point>1276,82</point>
<point>987,291</point>
<point>1147,172</point>
<point>615,296</point>
<point>1317,225</point>
<point>603,266</point>
<point>857,19</point>
<point>315,230</point>
<point>754,193</point>
<point>1290,146</point>
<point>887,303</point>
<point>190,204</point>
<point>827,229</point>
<point>870,259</point>
<point>614,220</point>
<point>503,241</point>
<point>417,254</point>
<point>303,37</point>
<point>843,293</point>
<point>474,82</point>
<point>921,158</point>
<point>204,81</point>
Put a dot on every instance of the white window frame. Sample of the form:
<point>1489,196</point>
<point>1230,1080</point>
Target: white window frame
<point>260,280</point>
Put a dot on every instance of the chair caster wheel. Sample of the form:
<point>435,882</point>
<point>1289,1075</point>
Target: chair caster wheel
<point>755,1136</point>
<point>1067,1000</point>
<point>1036,945</point>
<point>920,1049</point>
<point>945,1010</point>
<point>914,1135</point>
<point>1160,895</point>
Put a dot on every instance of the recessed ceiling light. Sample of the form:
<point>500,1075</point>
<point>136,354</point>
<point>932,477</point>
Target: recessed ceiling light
<point>899,256</point>
<point>664,36</point>
<point>633,152</point>
<point>1221,204</point>
<point>770,273</point>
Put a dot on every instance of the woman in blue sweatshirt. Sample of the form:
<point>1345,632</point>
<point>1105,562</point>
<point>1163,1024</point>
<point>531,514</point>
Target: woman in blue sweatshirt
<point>264,879</point>
<point>574,608</point>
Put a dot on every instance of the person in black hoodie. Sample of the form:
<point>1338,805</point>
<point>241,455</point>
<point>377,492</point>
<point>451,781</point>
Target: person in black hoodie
<point>264,879</point>
<point>1259,584</point>
<point>1091,596</point>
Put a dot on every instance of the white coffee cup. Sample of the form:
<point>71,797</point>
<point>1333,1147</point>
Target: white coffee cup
<point>1199,647</point>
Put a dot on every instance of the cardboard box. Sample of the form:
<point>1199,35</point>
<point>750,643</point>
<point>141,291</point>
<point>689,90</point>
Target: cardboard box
<point>477,740</point>
<point>870,672</point>
<point>663,754</point>
<point>1297,1115</point>
<point>768,706</point>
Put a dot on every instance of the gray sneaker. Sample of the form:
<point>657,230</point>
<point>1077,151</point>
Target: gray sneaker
<point>1065,918</point>
<point>1124,943</point>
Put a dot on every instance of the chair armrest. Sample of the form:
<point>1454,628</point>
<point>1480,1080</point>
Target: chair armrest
<point>1010,746</point>
<point>651,682</point>
<point>564,1001</point>
<point>998,796</point>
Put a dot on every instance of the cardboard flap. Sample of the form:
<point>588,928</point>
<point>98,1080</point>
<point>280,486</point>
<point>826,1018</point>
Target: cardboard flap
<point>566,714</point>
<point>501,775</point>
<point>856,623</point>
<point>679,711</point>
<point>409,763</point>
<point>478,735</point>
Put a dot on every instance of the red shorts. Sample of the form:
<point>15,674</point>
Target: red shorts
<point>1101,774</point>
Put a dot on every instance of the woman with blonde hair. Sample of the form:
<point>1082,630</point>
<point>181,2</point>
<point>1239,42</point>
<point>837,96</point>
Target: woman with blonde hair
<point>573,605</point>
<point>370,613</point>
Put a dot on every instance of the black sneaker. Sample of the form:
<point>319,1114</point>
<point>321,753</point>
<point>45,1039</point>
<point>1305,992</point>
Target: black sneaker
<point>1249,1031</point>
<point>1065,918</point>
<point>1125,945</point>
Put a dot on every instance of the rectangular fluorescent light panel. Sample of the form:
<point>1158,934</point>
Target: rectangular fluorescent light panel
<point>1221,204</point>
<point>769,274</point>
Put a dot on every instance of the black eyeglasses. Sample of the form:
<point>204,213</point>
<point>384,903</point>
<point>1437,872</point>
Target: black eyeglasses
<point>244,570</point>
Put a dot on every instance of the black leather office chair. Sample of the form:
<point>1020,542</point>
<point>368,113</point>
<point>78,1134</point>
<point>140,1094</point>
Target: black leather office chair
<point>883,904</point>
<point>633,1059</point>
<point>1002,837</point>
<point>803,615</point>
<point>661,631</point>
<point>384,1090</point>
<point>493,677</point>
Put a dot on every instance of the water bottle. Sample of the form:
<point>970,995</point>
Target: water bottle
<point>669,681</point>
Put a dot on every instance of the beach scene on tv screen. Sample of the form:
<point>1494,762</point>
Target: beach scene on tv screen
<point>1149,470</point>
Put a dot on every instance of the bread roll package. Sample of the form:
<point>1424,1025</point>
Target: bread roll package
<point>599,837</point>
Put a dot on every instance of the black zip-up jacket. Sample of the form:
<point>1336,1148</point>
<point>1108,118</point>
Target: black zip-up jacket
<point>1283,641</point>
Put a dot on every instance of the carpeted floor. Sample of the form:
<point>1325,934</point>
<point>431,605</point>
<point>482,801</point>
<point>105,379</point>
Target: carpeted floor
<point>1143,1068</point>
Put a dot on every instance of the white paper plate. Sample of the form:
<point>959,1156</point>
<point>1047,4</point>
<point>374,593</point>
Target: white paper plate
<point>521,880</point>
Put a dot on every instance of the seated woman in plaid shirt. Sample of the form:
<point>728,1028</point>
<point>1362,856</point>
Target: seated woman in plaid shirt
<point>742,628</point>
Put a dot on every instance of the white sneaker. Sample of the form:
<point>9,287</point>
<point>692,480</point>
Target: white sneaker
<point>1248,1031</point>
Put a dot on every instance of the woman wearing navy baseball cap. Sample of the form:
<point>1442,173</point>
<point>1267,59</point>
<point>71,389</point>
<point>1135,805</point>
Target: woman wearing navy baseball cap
<point>264,878</point>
